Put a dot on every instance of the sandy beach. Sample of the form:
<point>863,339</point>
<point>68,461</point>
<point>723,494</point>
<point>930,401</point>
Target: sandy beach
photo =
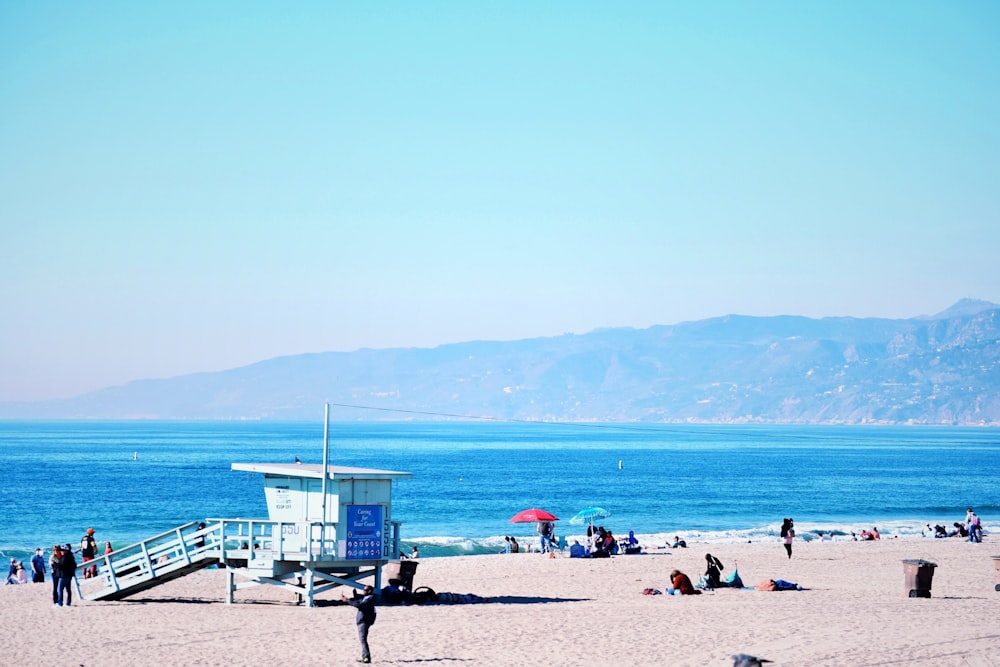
<point>560,611</point>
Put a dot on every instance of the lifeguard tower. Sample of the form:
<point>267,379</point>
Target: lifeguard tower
<point>327,526</point>
<point>321,532</point>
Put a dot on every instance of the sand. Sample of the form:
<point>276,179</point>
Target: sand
<point>557,611</point>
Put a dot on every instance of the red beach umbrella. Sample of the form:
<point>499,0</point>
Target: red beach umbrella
<point>532,516</point>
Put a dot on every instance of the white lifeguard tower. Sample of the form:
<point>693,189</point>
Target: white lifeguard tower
<point>327,526</point>
<point>322,530</point>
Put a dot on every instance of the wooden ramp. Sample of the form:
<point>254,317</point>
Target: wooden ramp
<point>159,559</point>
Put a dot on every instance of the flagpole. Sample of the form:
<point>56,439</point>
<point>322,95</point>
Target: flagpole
<point>326,473</point>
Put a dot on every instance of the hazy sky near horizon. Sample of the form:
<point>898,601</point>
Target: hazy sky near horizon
<point>192,187</point>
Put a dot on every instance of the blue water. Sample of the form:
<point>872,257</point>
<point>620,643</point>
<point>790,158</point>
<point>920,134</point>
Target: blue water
<point>703,482</point>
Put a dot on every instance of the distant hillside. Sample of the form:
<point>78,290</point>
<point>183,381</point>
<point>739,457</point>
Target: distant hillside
<point>940,369</point>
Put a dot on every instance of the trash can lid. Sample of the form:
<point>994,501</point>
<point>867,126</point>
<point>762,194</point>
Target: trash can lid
<point>920,561</point>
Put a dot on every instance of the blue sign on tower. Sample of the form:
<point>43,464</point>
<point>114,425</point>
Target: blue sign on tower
<point>364,532</point>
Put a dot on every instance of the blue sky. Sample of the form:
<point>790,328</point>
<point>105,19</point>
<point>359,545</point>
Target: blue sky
<point>196,186</point>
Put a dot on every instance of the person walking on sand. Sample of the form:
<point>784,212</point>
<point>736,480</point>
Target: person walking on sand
<point>787,535</point>
<point>38,567</point>
<point>365,604</point>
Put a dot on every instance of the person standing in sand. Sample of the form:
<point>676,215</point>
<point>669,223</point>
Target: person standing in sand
<point>88,550</point>
<point>365,604</point>
<point>787,535</point>
<point>38,567</point>
<point>55,566</point>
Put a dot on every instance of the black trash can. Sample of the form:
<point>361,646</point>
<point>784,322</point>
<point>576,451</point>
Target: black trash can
<point>918,575</point>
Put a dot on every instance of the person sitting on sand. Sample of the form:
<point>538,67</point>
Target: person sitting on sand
<point>610,544</point>
<point>15,569</point>
<point>678,543</point>
<point>681,584</point>
<point>506,545</point>
<point>514,546</point>
<point>577,550</point>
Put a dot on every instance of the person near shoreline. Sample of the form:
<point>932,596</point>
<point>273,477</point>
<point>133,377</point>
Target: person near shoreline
<point>68,561</point>
<point>18,575</point>
<point>88,550</point>
<point>974,526</point>
<point>365,604</point>
<point>788,534</point>
<point>545,531</point>
<point>514,546</point>
<point>63,566</point>
<point>38,567</point>
<point>55,566</point>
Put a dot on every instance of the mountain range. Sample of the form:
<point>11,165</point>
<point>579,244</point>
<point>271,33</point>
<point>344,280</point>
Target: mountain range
<point>938,369</point>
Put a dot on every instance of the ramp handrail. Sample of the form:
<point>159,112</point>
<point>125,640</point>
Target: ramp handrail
<point>140,562</point>
<point>250,543</point>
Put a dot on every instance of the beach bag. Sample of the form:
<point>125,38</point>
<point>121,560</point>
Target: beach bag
<point>767,585</point>
<point>650,591</point>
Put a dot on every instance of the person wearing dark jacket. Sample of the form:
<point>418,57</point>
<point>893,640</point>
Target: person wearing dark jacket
<point>55,565</point>
<point>713,573</point>
<point>365,604</point>
<point>67,570</point>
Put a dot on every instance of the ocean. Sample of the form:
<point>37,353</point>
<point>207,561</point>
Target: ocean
<point>134,479</point>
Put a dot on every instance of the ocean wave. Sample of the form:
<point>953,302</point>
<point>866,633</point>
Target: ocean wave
<point>439,546</point>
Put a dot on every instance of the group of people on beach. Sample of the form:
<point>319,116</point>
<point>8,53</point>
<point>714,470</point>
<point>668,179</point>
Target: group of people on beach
<point>61,565</point>
<point>17,573</point>
<point>971,529</point>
